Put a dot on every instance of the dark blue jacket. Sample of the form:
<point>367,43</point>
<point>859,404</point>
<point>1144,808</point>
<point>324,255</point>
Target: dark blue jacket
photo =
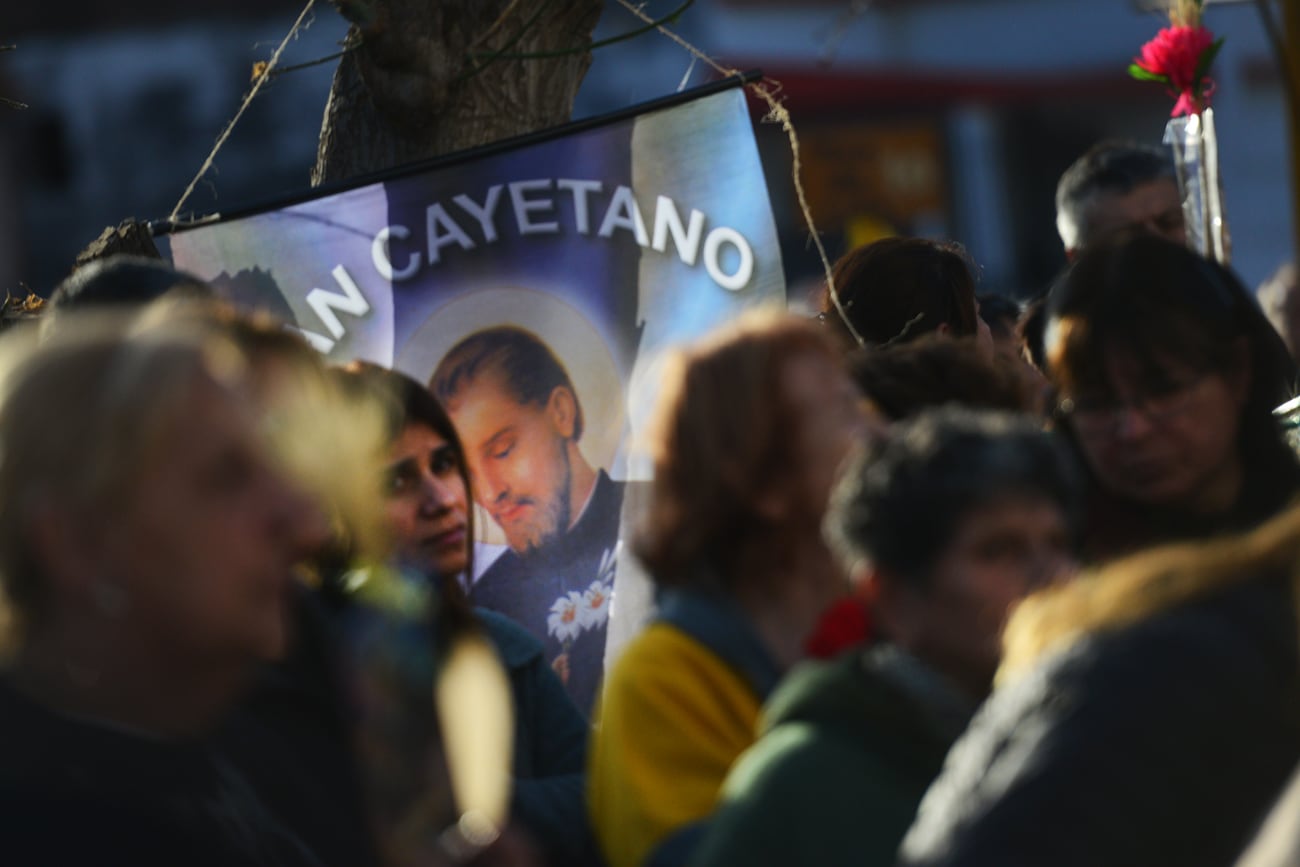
<point>524,588</point>
<point>1163,743</point>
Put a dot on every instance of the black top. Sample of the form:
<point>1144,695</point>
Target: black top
<point>1163,743</point>
<point>76,792</point>
<point>525,588</point>
<point>292,738</point>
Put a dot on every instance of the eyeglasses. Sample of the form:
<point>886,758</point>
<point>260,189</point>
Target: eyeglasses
<point>1103,417</point>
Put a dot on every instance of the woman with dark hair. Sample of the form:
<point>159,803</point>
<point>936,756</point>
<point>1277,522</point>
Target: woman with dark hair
<point>430,522</point>
<point>340,737</point>
<point>897,289</point>
<point>943,525</point>
<point>1168,374</point>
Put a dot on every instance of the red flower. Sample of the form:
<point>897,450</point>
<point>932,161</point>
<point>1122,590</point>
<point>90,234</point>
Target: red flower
<point>1179,57</point>
<point>843,625</point>
<point>1176,53</point>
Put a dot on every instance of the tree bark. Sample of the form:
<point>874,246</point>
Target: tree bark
<point>130,237</point>
<point>422,78</point>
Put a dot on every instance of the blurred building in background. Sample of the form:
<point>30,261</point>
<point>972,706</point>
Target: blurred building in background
<point>125,102</point>
<point>949,118</point>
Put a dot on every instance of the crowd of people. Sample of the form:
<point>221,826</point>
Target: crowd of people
<point>937,579</point>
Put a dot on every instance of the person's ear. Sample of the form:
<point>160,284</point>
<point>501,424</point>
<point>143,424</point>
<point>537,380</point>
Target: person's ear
<point>562,408</point>
<point>944,329</point>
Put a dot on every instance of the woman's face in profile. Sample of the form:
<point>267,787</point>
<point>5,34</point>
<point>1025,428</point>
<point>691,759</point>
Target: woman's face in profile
<point>1167,438</point>
<point>204,544</point>
<point>426,503</point>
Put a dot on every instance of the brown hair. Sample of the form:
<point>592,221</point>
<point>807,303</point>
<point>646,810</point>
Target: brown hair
<point>896,289</point>
<point>903,380</point>
<point>722,434</point>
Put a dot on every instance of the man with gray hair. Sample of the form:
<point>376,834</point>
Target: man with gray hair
<point>1118,185</point>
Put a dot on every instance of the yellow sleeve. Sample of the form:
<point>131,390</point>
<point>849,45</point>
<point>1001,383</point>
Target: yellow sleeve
<point>672,720</point>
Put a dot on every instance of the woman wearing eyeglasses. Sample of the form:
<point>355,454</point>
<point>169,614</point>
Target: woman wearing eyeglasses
<point>1168,375</point>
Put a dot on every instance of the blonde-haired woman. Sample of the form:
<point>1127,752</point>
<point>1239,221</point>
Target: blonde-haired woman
<point>147,542</point>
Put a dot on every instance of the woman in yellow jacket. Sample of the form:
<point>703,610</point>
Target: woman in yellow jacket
<point>752,425</point>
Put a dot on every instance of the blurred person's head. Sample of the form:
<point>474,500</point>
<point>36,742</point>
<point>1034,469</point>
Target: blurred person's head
<point>898,289</point>
<point>1002,314</point>
<point>904,379</point>
<point>121,281</point>
<point>750,427</point>
<point>1168,374</point>
<point>1117,186</point>
<point>300,402</point>
<point>1279,295</point>
<point>949,521</point>
<point>147,535</point>
<point>520,420</point>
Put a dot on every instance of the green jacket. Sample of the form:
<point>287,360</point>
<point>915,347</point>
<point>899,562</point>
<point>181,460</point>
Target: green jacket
<point>848,748</point>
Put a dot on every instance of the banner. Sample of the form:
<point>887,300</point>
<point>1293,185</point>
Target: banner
<point>535,288</point>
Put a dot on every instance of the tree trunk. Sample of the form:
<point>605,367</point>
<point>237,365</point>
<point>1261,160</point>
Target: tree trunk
<point>422,79</point>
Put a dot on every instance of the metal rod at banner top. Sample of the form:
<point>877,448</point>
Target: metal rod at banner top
<point>167,226</point>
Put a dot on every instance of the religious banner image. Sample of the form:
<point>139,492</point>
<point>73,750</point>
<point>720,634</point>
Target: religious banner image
<point>535,288</point>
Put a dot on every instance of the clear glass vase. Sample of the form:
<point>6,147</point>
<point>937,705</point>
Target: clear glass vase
<point>1196,159</point>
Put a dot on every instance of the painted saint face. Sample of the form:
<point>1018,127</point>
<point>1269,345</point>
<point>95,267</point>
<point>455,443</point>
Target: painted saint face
<point>519,459</point>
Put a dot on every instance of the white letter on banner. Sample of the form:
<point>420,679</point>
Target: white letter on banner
<point>325,303</point>
<point>624,213</point>
<point>483,213</point>
<point>453,234</point>
<point>382,256</point>
<point>525,206</point>
<point>716,239</point>
<point>580,190</point>
<point>668,220</point>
